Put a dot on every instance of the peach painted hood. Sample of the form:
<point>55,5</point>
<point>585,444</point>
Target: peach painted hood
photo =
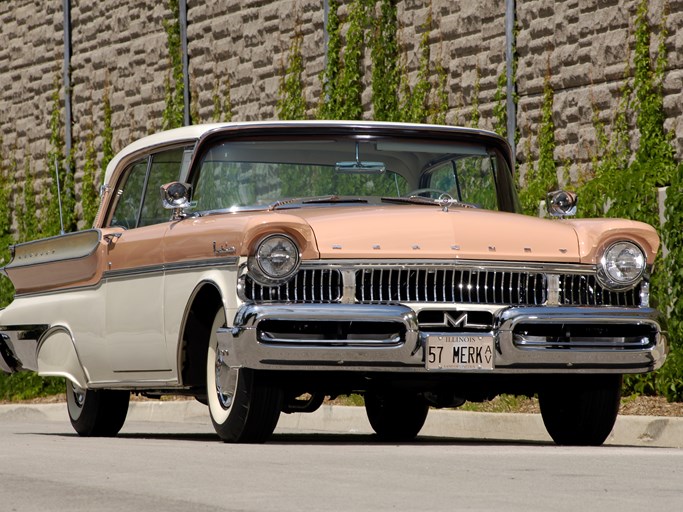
<point>416,231</point>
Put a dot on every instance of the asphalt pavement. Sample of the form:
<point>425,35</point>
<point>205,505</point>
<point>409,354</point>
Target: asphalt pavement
<point>652,431</point>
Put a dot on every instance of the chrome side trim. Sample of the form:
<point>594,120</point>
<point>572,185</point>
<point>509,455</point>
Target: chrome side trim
<point>59,291</point>
<point>169,267</point>
<point>480,265</point>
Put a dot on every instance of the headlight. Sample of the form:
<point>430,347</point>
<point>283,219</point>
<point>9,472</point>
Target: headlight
<point>276,259</point>
<point>621,266</point>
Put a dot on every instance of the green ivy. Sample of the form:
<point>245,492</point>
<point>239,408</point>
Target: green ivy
<point>542,178</point>
<point>291,102</point>
<point>174,111</point>
<point>107,130</point>
<point>6,238</point>
<point>475,115</point>
<point>28,219</point>
<point>329,78</point>
<point>500,111</point>
<point>89,190</point>
<point>385,58</point>
<point>414,105</point>
<point>440,108</point>
<point>222,103</point>
<point>350,79</point>
<point>611,158</point>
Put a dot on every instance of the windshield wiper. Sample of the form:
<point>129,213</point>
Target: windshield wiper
<point>426,201</point>
<point>316,200</point>
<point>410,200</point>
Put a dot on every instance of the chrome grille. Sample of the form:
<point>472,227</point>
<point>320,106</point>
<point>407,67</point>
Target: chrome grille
<point>584,290</point>
<point>308,285</point>
<point>450,285</point>
<point>439,284</point>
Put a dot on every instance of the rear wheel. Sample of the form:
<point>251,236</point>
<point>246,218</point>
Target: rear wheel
<point>244,406</point>
<point>96,413</point>
<point>581,410</point>
<point>396,416</point>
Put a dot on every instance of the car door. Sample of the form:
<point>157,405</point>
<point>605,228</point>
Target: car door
<point>134,323</point>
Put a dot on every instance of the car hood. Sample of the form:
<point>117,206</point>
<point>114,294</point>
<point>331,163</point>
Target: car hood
<point>418,231</point>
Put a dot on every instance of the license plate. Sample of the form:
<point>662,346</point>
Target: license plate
<point>462,352</point>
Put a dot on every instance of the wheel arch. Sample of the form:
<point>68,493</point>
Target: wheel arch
<point>57,356</point>
<point>202,306</point>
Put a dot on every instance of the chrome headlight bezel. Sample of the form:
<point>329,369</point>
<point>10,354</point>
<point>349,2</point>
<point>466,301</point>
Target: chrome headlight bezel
<point>267,272</point>
<point>619,277</point>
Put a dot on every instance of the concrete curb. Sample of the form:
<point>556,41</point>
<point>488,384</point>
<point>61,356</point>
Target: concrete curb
<point>629,430</point>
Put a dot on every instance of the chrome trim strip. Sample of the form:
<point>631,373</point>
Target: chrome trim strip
<point>169,267</point>
<point>165,370</point>
<point>478,265</point>
<point>132,272</point>
<point>269,338</point>
<point>59,291</point>
<point>541,343</point>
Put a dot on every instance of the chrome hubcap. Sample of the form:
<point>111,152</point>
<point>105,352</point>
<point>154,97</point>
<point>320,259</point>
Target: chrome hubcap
<point>226,380</point>
<point>79,396</point>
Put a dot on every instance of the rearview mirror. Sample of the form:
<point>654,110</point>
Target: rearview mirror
<point>561,203</point>
<point>176,196</point>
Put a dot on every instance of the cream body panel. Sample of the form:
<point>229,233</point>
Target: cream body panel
<point>79,312</point>
<point>134,328</point>
<point>57,357</point>
<point>134,316</point>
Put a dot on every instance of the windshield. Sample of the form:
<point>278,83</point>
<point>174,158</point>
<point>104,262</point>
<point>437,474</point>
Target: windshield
<point>257,173</point>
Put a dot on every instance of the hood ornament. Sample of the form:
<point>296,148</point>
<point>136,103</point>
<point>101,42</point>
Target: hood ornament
<point>445,201</point>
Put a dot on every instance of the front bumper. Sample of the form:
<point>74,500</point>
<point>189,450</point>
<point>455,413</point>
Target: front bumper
<point>387,338</point>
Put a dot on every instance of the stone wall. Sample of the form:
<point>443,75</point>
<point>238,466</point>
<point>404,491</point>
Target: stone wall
<point>120,49</point>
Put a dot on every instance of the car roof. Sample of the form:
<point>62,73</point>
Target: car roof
<point>193,133</point>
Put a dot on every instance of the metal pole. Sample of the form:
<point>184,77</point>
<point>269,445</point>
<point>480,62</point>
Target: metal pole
<point>66,76</point>
<point>186,74</point>
<point>510,89</point>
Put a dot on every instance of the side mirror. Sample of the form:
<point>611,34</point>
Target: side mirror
<point>561,203</point>
<point>176,196</point>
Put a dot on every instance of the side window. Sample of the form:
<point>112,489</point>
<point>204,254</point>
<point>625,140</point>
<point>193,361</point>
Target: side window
<point>130,194</point>
<point>139,202</point>
<point>164,169</point>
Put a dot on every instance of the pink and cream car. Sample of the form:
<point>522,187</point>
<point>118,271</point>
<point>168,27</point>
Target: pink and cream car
<point>261,267</point>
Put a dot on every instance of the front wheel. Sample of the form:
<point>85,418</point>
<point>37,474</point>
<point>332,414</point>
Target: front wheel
<point>96,413</point>
<point>396,416</point>
<point>244,406</point>
<point>581,410</point>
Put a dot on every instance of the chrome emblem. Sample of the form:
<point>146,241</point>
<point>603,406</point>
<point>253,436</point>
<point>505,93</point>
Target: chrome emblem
<point>455,319</point>
<point>223,248</point>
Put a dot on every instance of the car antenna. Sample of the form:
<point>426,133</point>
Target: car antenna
<point>59,199</point>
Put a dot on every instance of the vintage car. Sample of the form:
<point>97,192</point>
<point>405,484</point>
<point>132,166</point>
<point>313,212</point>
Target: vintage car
<point>261,267</point>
